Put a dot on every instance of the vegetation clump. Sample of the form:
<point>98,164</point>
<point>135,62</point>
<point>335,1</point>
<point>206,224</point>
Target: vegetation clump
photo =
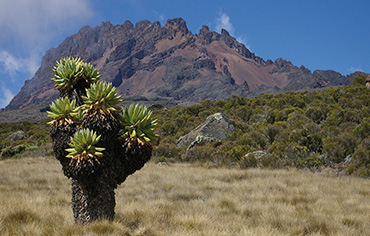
<point>138,125</point>
<point>101,99</point>
<point>82,146</point>
<point>36,140</point>
<point>63,112</point>
<point>85,130</point>
<point>313,130</point>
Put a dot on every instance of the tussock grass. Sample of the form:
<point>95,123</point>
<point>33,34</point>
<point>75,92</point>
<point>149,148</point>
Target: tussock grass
<point>188,200</point>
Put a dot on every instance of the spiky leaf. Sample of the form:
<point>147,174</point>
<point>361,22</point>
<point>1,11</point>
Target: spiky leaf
<point>138,125</point>
<point>63,111</point>
<point>101,98</point>
<point>90,75</point>
<point>67,72</point>
<point>82,146</point>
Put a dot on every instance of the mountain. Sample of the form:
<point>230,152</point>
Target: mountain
<point>171,65</point>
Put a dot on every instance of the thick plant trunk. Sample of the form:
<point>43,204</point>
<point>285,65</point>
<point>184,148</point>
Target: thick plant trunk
<point>92,200</point>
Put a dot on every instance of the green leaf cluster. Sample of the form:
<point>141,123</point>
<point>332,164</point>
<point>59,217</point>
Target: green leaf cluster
<point>99,103</point>
<point>138,125</point>
<point>63,111</point>
<point>101,98</point>
<point>69,71</point>
<point>82,146</point>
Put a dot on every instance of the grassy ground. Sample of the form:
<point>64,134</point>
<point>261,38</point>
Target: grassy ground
<point>188,200</point>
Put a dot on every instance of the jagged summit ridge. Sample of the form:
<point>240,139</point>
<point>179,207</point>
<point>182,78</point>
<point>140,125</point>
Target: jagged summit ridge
<point>155,63</point>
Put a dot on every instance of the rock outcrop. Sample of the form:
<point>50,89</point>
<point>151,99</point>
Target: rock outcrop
<point>17,136</point>
<point>216,128</point>
<point>171,65</point>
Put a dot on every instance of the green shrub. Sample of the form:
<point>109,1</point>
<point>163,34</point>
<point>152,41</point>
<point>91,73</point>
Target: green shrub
<point>311,161</point>
<point>360,163</point>
<point>363,129</point>
<point>247,161</point>
<point>166,151</point>
<point>16,150</point>
<point>199,153</point>
<point>360,80</point>
<point>271,161</point>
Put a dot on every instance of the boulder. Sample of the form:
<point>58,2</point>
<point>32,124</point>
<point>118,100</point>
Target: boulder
<point>216,128</point>
<point>17,136</point>
<point>257,154</point>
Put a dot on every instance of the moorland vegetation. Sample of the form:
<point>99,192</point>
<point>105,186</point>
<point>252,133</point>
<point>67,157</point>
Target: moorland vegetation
<point>318,129</point>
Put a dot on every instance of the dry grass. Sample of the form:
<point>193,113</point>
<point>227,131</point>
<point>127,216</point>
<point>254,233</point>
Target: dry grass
<point>188,200</point>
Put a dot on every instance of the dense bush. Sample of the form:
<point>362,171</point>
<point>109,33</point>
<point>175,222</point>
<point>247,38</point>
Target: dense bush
<point>37,136</point>
<point>11,151</point>
<point>299,129</point>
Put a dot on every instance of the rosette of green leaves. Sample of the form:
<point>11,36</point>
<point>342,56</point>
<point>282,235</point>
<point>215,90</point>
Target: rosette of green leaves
<point>82,146</point>
<point>90,75</point>
<point>69,71</point>
<point>66,72</point>
<point>138,125</point>
<point>63,112</point>
<point>101,98</point>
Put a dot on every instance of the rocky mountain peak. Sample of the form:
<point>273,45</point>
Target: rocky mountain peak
<point>176,25</point>
<point>127,26</point>
<point>205,35</point>
<point>170,65</point>
<point>224,33</point>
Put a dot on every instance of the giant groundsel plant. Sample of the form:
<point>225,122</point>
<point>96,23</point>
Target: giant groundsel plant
<point>97,144</point>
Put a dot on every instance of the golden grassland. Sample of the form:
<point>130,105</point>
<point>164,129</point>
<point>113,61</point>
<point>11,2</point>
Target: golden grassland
<point>183,199</point>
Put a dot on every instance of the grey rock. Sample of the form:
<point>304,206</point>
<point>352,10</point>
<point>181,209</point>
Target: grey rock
<point>162,163</point>
<point>257,154</point>
<point>17,136</point>
<point>216,128</point>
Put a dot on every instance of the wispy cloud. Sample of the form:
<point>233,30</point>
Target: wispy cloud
<point>223,21</point>
<point>29,26</point>
<point>12,64</point>
<point>7,97</point>
<point>160,17</point>
<point>35,20</point>
<point>353,69</point>
<point>243,39</point>
<point>9,63</point>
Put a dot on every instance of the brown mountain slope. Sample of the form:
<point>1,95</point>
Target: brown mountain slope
<point>170,64</point>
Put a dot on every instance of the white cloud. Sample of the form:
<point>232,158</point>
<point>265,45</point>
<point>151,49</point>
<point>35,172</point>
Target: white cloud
<point>160,17</point>
<point>353,69</point>
<point>37,20</point>
<point>32,63</point>
<point>223,22</point>
<point>242,39</point>
<point>7,97</point>
<point>28,27</point>
<point>10,64</point>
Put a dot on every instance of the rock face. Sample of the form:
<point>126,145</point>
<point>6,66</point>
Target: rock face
<point>17,136</point>
<point>215,128</point>
<point>171,65</point>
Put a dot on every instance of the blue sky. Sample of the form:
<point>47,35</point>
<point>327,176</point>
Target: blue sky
<point>319,34</point>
